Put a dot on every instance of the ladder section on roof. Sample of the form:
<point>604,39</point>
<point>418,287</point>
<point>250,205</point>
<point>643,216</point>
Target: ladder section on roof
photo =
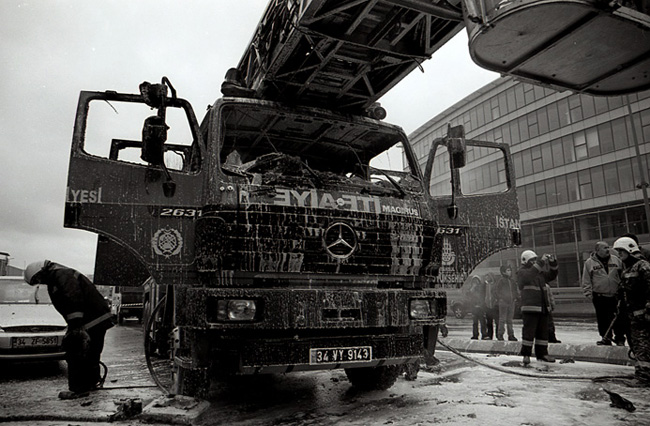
<point>343,54</point>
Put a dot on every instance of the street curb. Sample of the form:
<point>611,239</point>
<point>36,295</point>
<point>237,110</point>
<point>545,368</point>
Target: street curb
<point>590,353</point>
<point>174,410</point>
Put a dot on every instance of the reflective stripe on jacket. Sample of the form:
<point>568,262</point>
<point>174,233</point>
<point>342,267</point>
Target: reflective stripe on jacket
<point>531,280</point>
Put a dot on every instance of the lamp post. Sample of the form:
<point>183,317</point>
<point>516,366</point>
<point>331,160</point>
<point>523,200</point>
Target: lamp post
<point>643,185</point>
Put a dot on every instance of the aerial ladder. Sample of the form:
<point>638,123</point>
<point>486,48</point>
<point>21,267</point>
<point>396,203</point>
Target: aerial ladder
<point>347,54</point>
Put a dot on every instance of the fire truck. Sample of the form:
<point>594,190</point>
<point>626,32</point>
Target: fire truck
<point>292,229</point>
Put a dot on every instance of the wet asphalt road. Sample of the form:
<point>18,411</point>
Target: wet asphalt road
<point>454,393</point>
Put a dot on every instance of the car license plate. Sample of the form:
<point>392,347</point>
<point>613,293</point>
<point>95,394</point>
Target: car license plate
<point>338,355</point>
<point>28,342</point>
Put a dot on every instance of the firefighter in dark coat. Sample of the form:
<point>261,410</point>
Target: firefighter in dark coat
<point>531,280</point>
<point>635,286</point>
<point>88,316</point>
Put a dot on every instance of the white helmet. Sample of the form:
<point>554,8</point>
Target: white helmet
<point>33,269</point>
<point>627,244</point>
<point>527,255</point>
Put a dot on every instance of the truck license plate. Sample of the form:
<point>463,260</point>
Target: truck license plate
<point>27,342</point>
<point>337,355</point>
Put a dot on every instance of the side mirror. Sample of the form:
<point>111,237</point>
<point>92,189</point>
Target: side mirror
<point>456,146</point>
<point>154,135</point>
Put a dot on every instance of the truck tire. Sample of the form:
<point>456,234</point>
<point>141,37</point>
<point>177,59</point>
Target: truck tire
<point>373,378</point>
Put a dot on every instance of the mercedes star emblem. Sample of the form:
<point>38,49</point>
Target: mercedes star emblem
<point>340,240</point>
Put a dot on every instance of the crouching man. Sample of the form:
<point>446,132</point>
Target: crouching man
<point>88,316</point>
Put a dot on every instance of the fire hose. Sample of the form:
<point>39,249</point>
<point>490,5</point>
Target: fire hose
<point>518,373</point>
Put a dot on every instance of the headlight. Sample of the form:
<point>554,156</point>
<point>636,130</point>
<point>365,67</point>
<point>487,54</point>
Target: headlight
<point>420,308</point>
<point>236,310</point>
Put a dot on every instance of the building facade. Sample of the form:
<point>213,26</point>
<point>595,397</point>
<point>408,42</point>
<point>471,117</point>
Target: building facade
<point>580,165</point>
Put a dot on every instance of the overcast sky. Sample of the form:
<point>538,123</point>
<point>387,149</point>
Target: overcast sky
<point>50,50</point>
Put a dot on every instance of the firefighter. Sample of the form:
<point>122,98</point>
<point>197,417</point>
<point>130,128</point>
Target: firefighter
<point>88,317</point>
<point>532,277</point>
<point>635,285</point>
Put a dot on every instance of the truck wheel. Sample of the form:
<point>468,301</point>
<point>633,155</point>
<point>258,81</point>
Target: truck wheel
<point>373,378</point>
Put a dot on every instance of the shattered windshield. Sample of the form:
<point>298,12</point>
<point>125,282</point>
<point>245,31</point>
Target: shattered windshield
<point>270,146</point>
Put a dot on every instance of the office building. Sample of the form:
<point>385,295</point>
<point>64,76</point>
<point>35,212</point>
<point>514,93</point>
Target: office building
<point>579,163</point>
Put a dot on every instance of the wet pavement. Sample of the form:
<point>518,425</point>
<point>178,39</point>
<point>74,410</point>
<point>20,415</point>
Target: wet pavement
<point>28,392</point>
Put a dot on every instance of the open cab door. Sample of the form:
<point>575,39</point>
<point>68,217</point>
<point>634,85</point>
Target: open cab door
<point>135,178</point>
<point>476,203</point>
<point>598,47</point>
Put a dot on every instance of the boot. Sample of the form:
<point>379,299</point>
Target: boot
<point>512,338</point>
<point>546,358</point>
<point>72,395</point>
<point>526,360</point>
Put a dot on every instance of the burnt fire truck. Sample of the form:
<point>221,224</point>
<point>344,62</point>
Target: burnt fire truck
<point>293,229</point>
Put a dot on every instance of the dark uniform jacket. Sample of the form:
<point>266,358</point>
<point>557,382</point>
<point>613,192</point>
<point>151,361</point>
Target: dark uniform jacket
<point>636,287</point>
<point>75,297</point>
<point>531,280</point>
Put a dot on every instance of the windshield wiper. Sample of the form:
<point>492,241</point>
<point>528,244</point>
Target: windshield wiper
<point>390,179</point>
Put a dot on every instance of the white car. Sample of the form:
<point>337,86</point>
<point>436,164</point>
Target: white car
<point>30,327</point>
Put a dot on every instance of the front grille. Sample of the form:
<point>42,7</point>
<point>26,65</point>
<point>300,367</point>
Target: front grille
<point>288,239</point>
<point>34,329</point>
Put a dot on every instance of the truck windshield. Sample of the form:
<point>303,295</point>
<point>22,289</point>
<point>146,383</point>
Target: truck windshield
<point>269,145</point>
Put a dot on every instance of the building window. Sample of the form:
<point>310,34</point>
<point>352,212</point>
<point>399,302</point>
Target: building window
<point>543,234</point>
<point>588,227</point>
<point>563,112</point>
<point>563,230</point>
<point>542,121</point>
<point>553,117</point>
<point>588,107</point>
<point>597,181</point>
<point>576,108</point>
<point>517,161</point>
<point>569,152</point>
<point>612,223</point>
<point>611,178</point>
<point>551,192</point>
<point>494,106</point>
<point>531,204</point>
<point>558,153</point>
<point>540,194</point>
<point>547,156</point>
<point>562,190</point>
<point>527,236</point>
<point>637,222</point>
<point>601,104</point>
<point>527,162</point>
<point>619,130</point>
<point>536,155</point>
<point>626,175</point>
<point>605,138</point>
<point>580,144</point>
<point>584,177</point>
<point>573,186</point>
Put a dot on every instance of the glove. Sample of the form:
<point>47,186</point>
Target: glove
<point>552,260</point>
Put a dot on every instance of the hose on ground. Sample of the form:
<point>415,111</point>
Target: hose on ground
<point>537,376</point>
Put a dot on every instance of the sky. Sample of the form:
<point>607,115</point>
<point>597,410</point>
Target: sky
<point>50,50</point>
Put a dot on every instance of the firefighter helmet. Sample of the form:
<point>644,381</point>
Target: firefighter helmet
<point>527,256</point>
<point>33,269</point>
<point>627,244</point>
